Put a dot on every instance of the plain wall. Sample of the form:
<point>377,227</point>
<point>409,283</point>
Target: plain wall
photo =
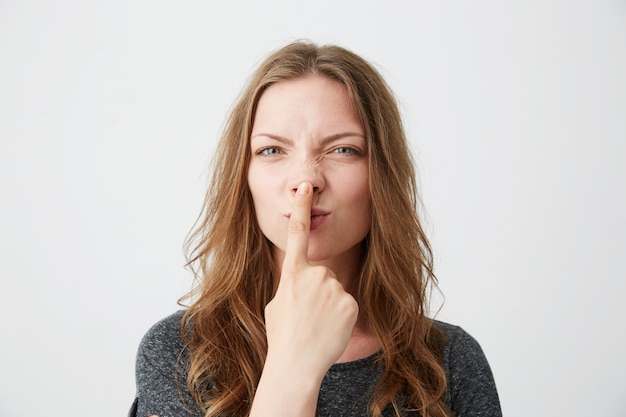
<point>109,112</point>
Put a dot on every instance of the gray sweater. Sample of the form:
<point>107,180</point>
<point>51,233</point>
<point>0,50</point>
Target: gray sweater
<point>345,389</point>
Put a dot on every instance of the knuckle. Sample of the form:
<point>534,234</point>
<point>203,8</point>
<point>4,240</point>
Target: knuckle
<point>354,306</point>
<point>296,226</point>
<point>351,307</point>
<point>319,271</point>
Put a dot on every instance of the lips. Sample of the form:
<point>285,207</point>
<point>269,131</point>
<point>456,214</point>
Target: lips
<point>317,220</point>
<point>318,217</point>
<point>318,212</point>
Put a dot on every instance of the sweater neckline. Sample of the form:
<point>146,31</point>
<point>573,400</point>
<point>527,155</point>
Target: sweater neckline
<point>364,362</point>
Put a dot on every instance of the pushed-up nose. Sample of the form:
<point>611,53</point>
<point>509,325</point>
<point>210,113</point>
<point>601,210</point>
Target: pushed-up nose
<point>307,172</point>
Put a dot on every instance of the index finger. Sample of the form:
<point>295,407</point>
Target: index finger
<point>299,226</point>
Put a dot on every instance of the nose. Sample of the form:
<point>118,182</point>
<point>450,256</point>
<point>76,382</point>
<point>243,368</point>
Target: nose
<point>310,173</point>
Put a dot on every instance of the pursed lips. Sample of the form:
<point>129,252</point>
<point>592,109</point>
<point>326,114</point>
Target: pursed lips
<point>318,216</point>
<point>314,213</point>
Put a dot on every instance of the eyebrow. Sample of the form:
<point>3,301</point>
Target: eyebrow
<point>323,142</point>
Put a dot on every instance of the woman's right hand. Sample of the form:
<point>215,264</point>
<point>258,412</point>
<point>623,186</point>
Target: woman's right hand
<point>308,323</point>
<point>311,317</point>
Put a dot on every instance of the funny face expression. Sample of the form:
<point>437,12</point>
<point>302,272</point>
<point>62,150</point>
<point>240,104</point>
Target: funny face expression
<point>307,130</point>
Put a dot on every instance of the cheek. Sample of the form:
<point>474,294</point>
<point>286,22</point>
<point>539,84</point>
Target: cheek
<point>254,185</point>
<point>357,192</point>
<point>256,179</point>
<point>262,185</point>
<point>357,186</point>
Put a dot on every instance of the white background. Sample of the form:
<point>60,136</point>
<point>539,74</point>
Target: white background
<point>109,112</point>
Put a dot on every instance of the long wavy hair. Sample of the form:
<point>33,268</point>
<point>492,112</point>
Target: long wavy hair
<point>224,327</point>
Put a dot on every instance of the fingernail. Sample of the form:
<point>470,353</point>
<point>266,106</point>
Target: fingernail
<point>303,188</point>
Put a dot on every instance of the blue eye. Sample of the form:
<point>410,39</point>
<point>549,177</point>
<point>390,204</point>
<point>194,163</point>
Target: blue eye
<point>269,151</point>
<point>345,150</point>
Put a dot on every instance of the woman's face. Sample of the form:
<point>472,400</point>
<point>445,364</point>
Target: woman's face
<point>306,130</point>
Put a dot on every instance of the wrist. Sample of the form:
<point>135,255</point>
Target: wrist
<point>286,389</point>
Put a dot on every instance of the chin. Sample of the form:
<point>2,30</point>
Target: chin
<point>317,257</point>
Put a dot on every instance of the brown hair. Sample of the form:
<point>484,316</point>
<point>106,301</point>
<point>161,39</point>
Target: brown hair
<point>232,259</point>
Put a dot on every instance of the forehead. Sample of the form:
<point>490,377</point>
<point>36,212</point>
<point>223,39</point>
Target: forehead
<point>315,102</point>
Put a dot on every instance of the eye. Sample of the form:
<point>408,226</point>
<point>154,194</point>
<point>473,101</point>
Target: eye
<point>269,151</point>
<point>346,150</point>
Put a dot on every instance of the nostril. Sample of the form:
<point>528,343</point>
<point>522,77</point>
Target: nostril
<point>315,190</point>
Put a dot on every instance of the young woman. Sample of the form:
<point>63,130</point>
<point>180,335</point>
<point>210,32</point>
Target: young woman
<point>313,269</point>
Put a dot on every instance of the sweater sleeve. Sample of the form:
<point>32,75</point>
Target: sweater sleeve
<point>160,377</point>
<point>471,387</point>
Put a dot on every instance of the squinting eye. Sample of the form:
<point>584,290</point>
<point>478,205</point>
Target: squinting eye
<point>268,151</point>
<point>345,150</point>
